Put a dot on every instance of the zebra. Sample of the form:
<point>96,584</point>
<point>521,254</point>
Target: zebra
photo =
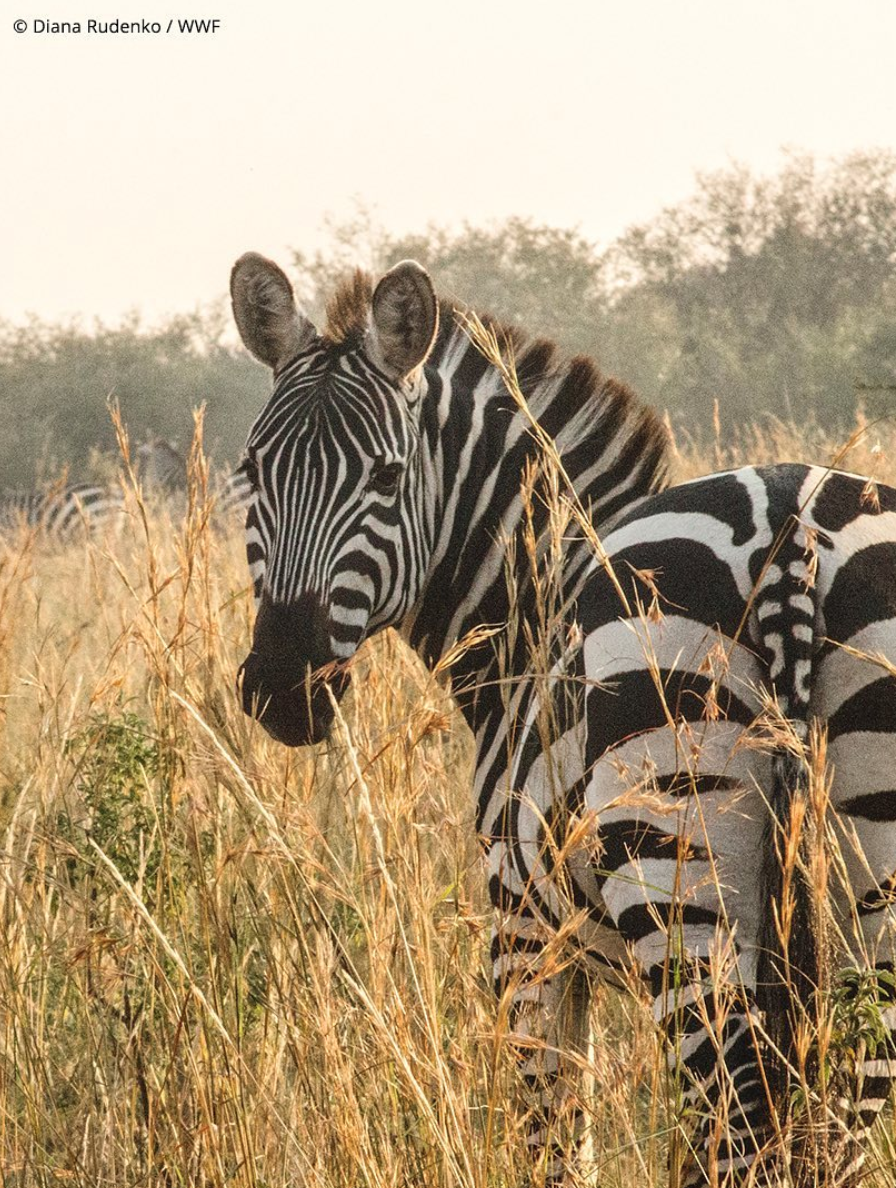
<point>759,606</point>
<point>388,472</point>
<point>61,512</point>
<point>161,466</point>
<point>233,496</point>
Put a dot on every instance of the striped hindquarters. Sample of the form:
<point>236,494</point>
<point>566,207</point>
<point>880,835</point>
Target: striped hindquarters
<point>62,512</point>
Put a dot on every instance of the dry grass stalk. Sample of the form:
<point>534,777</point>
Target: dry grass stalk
<point>226,963</point>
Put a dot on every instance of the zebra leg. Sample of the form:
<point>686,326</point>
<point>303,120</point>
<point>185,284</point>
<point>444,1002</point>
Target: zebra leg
<point>864,994</point>
<point>551,1031</point>
<point>666,889</point>
<point>877,1067</point>
<point>714,1056</point>
<point>855,692</point>
<point>863,1077</point>
<point>547,997</point>
<point>866,997</point>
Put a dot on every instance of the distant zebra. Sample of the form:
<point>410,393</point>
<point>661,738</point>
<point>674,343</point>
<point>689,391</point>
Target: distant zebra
<point>61,512</point>
<point>386,471</point>
<point>233,496</point>
<point>161,466</point>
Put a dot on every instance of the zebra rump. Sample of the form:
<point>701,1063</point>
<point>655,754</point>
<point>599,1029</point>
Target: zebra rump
<point>761,618</point>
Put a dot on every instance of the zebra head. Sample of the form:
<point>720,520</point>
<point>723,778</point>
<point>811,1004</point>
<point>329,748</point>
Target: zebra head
<point>336,538</point>
<point>160,465</point>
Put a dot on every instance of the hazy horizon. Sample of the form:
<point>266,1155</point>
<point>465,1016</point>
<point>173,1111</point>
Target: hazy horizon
<point>139,166</point>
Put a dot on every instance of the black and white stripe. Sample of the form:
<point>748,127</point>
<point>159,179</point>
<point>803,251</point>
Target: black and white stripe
<point>163,470</point>
<point>755,599</point>
<point>386,470</point>
<point>383,487</point>
<point>233,497</point>
<point>61,512</point>
<point>161,466</point>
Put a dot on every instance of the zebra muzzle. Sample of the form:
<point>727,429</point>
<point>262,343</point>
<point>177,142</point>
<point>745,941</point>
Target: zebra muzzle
<point>297,714</point>
<point>290,679</point>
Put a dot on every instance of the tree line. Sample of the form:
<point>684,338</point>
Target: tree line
<point>763,297</point>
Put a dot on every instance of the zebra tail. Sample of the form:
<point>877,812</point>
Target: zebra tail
<point>791,962</point>
<point>790,958</point>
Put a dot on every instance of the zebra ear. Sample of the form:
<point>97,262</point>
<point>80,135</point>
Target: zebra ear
<point>270,323</point>
<point>404,318</point>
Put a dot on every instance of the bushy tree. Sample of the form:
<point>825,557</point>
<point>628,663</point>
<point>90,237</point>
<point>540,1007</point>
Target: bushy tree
<point>56,382</point>
<point>771,296</point>
<point>546,280</point>
<point>768,295</point>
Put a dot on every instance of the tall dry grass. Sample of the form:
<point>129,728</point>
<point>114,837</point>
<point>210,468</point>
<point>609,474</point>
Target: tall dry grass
<point>227,963</point>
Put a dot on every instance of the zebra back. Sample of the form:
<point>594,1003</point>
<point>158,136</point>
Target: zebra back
<point>61,512</point>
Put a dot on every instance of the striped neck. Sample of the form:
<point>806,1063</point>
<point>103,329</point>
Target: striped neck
<point>475,447</point>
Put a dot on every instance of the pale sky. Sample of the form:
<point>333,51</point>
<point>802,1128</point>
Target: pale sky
<point>135,168</point>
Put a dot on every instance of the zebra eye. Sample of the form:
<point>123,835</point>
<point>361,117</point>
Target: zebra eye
<point>385,477</point>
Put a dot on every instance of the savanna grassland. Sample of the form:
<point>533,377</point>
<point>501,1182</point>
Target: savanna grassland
<point>223,962</point>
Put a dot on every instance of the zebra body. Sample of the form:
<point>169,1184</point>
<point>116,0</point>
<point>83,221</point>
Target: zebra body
<point>754,597</point>
<point>61,512</point>
<point>64,511</point>
<point>386,474</point>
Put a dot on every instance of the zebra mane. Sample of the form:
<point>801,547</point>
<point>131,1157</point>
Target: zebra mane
<point>598,423</point>
<point>348,310</point>
<point>612,445</point>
